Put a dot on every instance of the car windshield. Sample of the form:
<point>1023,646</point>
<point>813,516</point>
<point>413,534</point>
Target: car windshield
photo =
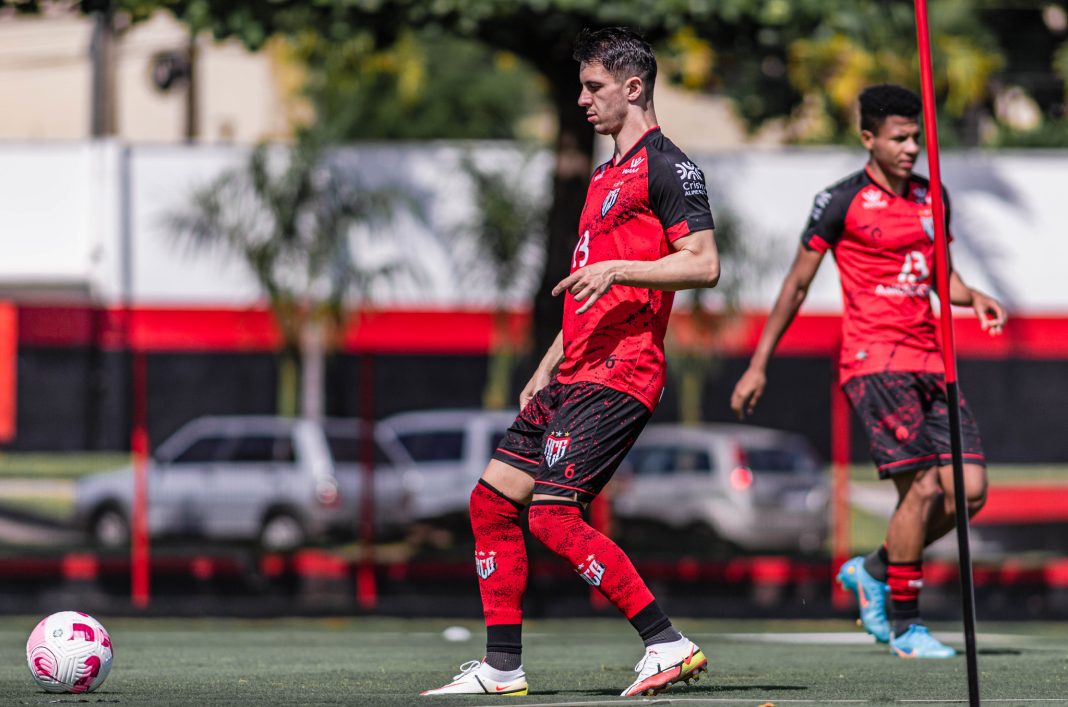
<point>434,445</point>
<point>651,460</point>
<point>780,460</point>
<point>350,449</point>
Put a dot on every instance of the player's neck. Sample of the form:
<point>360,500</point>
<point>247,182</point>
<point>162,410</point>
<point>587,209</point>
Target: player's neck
<point>889,182</point>
<point>634,128</point>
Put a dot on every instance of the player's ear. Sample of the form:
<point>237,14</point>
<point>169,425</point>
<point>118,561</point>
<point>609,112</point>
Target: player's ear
<point>867,139</point>
<point>633,88</point>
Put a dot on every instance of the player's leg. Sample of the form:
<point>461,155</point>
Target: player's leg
<point>501,557</point>
<point>591,433</point>
<point>920,493</point>
<point>943,517</point>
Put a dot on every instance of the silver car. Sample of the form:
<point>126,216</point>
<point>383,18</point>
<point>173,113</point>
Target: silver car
<point>449,451</point>
<point>278,481</point>
<point>754,488</point>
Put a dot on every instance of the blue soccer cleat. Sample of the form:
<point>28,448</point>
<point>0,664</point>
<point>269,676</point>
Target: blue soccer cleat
<point>917,642</point>
<point>871,596</point>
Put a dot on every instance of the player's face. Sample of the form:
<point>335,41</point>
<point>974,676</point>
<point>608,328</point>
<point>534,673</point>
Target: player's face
<point>894,146</point>
<point>603,97</point>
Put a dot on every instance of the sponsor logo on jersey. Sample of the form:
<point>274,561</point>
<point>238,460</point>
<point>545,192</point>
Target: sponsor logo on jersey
<point>693,179</point>
<point>919,195</point>
<point>592,571</point>
<point>634,165</point>
<point>600,172</point>
<point>485,564</point>
<point>556,447</point>
<point>609,201</point>
<point>873,198</point>
<point>819,204</point>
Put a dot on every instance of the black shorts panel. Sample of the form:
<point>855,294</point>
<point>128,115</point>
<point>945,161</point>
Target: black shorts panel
<point>906,416</point>
<point>571,438</point>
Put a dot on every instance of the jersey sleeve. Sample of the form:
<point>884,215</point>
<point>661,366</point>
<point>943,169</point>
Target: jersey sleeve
<point>678,195</point>
<point>826,221</point>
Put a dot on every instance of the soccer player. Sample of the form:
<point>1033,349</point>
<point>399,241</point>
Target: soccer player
<point>878,224</point>
<point>645,231</point>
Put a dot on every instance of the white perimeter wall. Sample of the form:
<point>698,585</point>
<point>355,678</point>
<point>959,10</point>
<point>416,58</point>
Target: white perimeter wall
<point>87,218</point>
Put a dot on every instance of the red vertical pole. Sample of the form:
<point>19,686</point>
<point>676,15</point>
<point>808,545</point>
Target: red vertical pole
<point>841,431</point>
<point>366,586</point>
<point>139,541</point>
<point>9,352</point>
<point>949,352</point>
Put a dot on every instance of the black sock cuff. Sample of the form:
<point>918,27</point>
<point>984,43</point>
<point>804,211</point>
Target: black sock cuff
<point>490,487</point>
<point>504,638</point>
<point>650,621</point>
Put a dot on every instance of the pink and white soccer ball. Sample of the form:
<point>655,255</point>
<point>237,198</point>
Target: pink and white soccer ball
<point>69,652</point>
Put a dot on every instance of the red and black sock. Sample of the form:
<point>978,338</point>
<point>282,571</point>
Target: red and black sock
<point>560,527</point>
<point>501,564</point>
<point>906,581</point>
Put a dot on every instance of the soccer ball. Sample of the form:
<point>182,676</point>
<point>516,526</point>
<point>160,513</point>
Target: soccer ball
<point>69,652</point>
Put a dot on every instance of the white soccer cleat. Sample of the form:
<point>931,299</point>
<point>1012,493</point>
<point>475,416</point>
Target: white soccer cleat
<point>667,663</point>
<point>478,678</point>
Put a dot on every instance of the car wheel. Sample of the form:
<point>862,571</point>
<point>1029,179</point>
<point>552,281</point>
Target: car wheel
<point>110,528</point>
<point>282,532</point>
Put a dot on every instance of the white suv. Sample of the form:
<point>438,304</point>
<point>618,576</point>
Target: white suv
<point>279,481</point>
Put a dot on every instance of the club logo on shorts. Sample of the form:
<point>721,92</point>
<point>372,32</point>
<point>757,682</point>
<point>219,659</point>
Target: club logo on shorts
<point>485,564</point>
<point>609,201</point>
<point>592,571</point>
<point>556,447</point>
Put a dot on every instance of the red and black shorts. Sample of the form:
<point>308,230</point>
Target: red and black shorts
<point>571,438</point>
<point>906,416</point>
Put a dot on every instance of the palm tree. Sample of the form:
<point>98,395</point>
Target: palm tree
<point>289,214</point>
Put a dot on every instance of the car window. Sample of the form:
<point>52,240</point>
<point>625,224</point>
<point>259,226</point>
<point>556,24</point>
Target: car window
<point>654,460</point>
<point>205,449</point>
<point>780,460</point>
<point>263,449</point>
<point>434,446</point>
<point>349,449</point>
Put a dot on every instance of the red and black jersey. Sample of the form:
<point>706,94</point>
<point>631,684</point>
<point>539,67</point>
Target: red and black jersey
<point>635,208</point>
<point>883,244</point>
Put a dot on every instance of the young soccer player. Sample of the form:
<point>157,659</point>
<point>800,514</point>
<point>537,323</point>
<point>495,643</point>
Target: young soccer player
<point>645,231</point>
<point>878,224</point>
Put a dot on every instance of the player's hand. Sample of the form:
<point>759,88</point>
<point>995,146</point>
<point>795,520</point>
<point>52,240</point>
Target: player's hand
<point>538,381</point>
<point>991,314</point>
<point>588,283</point>
<point>747,392</point>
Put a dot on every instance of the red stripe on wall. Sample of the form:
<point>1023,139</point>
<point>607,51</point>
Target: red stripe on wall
<point>9,351</point>
<point>474,332</point>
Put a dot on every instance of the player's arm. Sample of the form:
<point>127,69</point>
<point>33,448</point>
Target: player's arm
<point>750,386</point>
<point>991,314</point>
<point>550,362</point>
<point>694,263</point>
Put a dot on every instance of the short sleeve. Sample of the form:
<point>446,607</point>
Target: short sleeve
<point>678,195</point>
<point>826,221</point>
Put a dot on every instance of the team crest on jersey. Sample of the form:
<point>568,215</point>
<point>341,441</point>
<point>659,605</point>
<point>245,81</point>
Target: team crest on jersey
<point>928,226</point>
<point>609,201</point>
<point>485,564</point>
<point>556,447</point>
<point>592,571</point>
<point>874,198</point>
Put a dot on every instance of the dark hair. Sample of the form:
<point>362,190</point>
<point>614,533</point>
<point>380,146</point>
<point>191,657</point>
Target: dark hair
<point>620,50</point>
<point>877,103</point>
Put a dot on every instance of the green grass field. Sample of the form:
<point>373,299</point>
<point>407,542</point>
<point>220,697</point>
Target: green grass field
<point>579,662</point>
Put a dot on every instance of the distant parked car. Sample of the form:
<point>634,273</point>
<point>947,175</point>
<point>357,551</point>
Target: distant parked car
<point>755,488</point>
<point>279,481</point>
<point>449,450</point>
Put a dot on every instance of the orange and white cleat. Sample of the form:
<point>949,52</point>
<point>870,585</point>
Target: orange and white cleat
<point>665,664</point>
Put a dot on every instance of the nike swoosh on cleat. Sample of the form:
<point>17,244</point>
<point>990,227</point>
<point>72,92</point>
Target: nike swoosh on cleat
<point>864,601</point>
<point>502,689</point>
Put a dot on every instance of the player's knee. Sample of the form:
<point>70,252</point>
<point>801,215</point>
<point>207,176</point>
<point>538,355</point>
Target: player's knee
<point>488,506</point>
<point>924,489</point>
<point>550,523</point>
